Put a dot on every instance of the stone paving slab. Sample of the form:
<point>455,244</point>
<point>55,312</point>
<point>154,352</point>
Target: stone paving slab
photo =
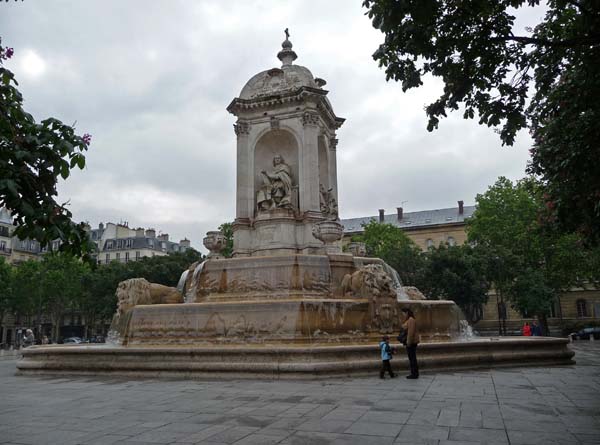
<point>558,405</point>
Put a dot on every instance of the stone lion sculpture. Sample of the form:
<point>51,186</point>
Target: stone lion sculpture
<point>368,281</point>
<point>137,291</point>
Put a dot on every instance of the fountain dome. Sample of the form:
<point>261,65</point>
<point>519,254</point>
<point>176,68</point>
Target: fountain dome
<point>274,81</point>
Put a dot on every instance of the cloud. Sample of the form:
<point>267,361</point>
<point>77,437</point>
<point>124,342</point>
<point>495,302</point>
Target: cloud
<point>151,83</point>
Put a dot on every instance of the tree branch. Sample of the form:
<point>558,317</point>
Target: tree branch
<point>588,40</point>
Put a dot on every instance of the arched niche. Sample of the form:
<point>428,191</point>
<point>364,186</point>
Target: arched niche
<point>275,142</point>
<point>323,164</point>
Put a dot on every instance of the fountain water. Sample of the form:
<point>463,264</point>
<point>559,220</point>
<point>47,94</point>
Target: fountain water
<point>290,302</point>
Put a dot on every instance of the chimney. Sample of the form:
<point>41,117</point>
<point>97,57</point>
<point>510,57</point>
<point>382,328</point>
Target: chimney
<point>400,213</point>
<point>151,233</point>
<point>139,232</point>
<point>163,237</point>
<point>185,243</point>
<point>101,226</point>
<point>461,207</point>
<point>381,215</point>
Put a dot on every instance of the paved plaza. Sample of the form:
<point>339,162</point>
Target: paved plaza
<point>514,406</point>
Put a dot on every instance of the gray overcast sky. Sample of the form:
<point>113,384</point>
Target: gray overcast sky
<point>150,81</point>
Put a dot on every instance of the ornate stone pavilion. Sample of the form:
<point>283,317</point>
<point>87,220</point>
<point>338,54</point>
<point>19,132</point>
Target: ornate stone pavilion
<point>286,160</point>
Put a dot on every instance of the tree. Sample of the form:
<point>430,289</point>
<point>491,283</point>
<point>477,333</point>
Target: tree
<point>61,286</point>
<point>458,273</point>
<point>28,299</point>
<point>165,269</point>
<point>227,229</point>
<point>547,79</point>
<point>33,157</point>
<point>391,244</point>
<point>532,264</point>
<point>6,292</point>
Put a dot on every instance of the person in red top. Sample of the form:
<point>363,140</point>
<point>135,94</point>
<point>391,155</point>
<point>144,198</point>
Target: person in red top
<point>526,330</point>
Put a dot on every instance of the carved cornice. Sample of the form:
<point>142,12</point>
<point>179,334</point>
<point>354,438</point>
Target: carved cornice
<point>241,128</point>
<point>310,119</point>
<point>333,143</point>
<point>300,95</point>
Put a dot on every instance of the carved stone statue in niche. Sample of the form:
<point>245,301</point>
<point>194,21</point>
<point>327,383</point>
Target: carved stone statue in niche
<point>329,207</point>
<point>276,189</point>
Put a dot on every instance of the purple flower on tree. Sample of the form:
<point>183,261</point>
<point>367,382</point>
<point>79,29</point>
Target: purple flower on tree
<point>87,138</point>
<point>6,53</point>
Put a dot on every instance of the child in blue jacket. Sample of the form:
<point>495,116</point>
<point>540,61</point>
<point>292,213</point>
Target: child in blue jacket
<point>386,356</point>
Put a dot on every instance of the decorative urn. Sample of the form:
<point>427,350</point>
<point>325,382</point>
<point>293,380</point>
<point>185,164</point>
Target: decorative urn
<point>329,232</point>
<point>214,241</point>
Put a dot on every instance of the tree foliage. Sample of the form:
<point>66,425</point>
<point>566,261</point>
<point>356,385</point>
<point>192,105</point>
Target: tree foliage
<point>33,158</point>
<point>227,229</point>
<point>62,284</point>
<point>460,274</point>
<point>391,244</point>
<point>547,79</point>
<point>531,263</point>
<point>6,292</point>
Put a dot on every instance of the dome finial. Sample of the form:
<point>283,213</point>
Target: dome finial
<point>286,55</point>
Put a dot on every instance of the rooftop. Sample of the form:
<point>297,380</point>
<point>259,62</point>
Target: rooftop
<point>412,220</point>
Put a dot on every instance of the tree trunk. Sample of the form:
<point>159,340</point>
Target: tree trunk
<point>55,326</point>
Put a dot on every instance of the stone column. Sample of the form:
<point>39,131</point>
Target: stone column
<point>244,204</point>
<point>244,200</point>
<point>309,181</point>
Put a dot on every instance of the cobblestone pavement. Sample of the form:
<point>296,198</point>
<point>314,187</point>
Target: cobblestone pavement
<point>514,406</point>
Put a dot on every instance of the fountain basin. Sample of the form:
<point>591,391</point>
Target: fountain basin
<point>307,321</point>
<point>292,362</point>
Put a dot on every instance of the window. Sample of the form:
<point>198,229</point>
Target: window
<point>451,241</point>
<point>137,255</point>
<point>151,242</point>
<point>4,231</point>
<point>429,243</point>
<point>118,256</point>
<point>107,258</point>
<point>582,308</point>
<point>109,244</point>
<point>2,245</point>
<point>126,257</point>
<point>129,242</point>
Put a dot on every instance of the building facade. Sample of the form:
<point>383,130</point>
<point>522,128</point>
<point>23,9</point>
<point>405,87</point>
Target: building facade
<point>117,242</point>
<point>12,248</point>
<point>426,228</point>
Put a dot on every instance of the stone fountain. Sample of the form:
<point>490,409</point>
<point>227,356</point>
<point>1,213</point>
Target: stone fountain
<point>290,302</point>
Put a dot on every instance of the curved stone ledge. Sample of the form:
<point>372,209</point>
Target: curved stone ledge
<point>276,362</point>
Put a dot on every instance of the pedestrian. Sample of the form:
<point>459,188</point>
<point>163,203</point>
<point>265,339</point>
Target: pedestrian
<point>386,356</point>
<point>45,340</point>
<point>29,339</point>
<point>412,340</point>
<point>526,330</point>
<point>536,329</point>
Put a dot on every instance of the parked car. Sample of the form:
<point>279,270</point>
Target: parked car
<point>72,340</point>
<point>586,333</point>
